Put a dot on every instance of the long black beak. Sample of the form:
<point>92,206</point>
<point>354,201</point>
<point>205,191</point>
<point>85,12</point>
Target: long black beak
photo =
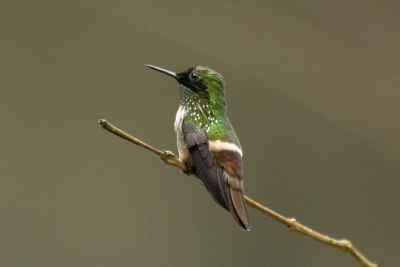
<point>169,73</point>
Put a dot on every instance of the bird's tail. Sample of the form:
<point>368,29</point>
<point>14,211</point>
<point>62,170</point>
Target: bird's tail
<point>238,208</point>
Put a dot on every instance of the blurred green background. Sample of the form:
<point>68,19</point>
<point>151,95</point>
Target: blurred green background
<point>313,93</point>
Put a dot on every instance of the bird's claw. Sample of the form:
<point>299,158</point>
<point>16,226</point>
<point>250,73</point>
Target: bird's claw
<point>167,155</point>
<point>188,171</point>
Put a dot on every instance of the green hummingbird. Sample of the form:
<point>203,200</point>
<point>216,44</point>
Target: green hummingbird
<point>207,142</point>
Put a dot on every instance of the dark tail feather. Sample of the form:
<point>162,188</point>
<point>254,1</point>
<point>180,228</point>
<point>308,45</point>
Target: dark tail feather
<point>238,208</point>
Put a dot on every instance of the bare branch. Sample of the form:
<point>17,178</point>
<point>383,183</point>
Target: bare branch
<point>292,224</point>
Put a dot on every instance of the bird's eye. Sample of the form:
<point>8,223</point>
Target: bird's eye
<point>194,75</point>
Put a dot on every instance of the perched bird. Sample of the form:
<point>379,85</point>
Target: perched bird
<point>206,141</point>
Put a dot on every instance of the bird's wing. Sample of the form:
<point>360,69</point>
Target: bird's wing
<point>215,177</point>
<point>210,173</point>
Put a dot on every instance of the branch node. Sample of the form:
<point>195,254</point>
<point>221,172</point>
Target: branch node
<point>292,224</point>
<point>343,244</point>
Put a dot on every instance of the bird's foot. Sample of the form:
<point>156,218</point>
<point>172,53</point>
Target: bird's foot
<point>167,156</point>
<point>188,170</point>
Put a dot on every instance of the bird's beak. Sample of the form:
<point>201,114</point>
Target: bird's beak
<point>169,73</point>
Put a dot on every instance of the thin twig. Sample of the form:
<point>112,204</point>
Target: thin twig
<point>292,224</point>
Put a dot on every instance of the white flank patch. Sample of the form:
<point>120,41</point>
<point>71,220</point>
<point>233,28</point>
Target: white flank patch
<point>183,152</point>
<point>219,145</point>
<point>180,115</point>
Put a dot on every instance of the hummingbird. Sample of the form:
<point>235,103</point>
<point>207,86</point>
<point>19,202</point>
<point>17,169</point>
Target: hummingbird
<point>207,143</point>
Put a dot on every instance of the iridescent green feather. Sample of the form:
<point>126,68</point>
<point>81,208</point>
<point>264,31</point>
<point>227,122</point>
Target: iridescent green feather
<point>207,109</point>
